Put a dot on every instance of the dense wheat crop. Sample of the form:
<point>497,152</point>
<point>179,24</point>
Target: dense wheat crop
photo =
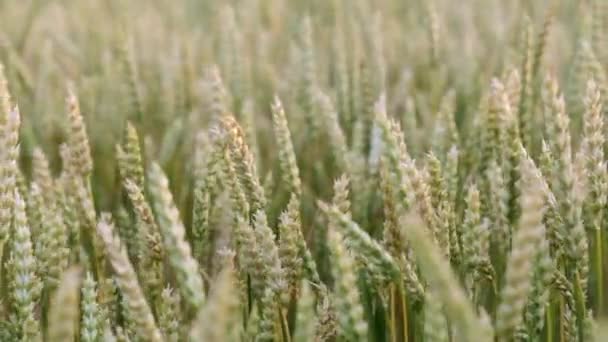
<point>303,170</point>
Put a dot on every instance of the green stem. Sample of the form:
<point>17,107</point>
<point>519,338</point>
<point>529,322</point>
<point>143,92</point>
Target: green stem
<point>599,269</point>
<point>561,319</point>
<point>579,299</point>
<point>284,326</point>
<point>549,318</point>
<point>393,309</point>
<point>404,309</point>
<point>2,273</point>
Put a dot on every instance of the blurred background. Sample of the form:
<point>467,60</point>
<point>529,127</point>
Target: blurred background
<point>163,63</point>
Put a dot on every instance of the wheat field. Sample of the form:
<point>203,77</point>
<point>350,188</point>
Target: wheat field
<point>303,170</point>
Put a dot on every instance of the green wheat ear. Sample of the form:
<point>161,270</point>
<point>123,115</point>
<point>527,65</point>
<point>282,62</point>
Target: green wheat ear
<point>290,236</point>
<point>25,286</point>
<point>435,324</point>
<point>5,96</point>
<point>80,151</point>
<point>436,270</point>
<point>91,324</point>
<point>287,157</point>
<point>222,308</point>
<point>64,310</point>
<point>306,319</point>
<point>129,157</point>
<point>518,277</point>
<point>168,314</point>
<point>9,138</point>
<point>350,317</point>
<point>41,174</point>
<point>173,234</point>
<point>243,163</point>
<point>126,279</point>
